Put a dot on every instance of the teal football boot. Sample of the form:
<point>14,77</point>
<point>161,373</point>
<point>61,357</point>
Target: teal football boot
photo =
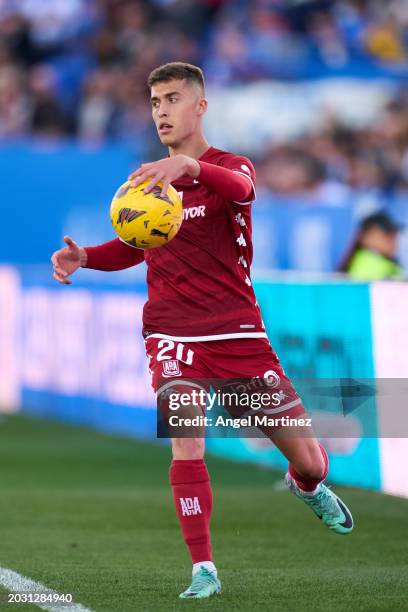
<point>204,584</point>
<point>326,505</point>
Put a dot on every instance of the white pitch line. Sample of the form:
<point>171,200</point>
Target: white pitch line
<point>16,583</point>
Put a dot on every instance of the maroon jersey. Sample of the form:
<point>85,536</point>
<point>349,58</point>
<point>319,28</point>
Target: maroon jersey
<point>199,285</point>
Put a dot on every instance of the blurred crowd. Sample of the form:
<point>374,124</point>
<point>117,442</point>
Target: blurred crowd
<point>78,67</point>
<point>326,167</point>
<point>308,38</point>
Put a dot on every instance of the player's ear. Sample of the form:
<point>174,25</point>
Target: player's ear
<point>202,106</point>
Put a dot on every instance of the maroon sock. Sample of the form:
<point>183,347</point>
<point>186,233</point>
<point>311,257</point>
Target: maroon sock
<point>193,500</point>
<point>309,484</point>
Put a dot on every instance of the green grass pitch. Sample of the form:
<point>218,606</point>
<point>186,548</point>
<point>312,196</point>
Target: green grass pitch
<point>92,515</point>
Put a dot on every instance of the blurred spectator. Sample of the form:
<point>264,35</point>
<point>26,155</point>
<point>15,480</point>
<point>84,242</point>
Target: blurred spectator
<point>372,255</point>
<point>327,40</point>
<point>290,171</point>
<point>47,116</point>
<point>14,103</point>
<point>53,22</point>
<point>15,37</point>
<point>97,108</point>
<point>127,30</point>
<point>230,61</point>
<point>392,134</point>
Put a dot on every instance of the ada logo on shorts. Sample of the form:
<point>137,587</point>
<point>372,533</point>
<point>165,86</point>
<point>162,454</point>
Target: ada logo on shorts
<point>171,368</point>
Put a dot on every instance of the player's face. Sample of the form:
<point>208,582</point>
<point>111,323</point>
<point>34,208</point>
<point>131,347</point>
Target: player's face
<point>177,108</point>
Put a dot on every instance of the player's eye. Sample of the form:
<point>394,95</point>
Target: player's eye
<point>172,100</point>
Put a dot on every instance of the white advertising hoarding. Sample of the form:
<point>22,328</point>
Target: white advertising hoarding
<point>389,312</point>
<point>10,298</point>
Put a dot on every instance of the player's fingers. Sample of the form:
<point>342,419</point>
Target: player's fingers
<point>56,265</point>
<point>60,271</point>
<point>57,275</point>
<point>166,185</point>
<point>136,173</point>
<point>72,245</point>
<point>155,179</point>
<point>140,179</point>
<point>61,279</point>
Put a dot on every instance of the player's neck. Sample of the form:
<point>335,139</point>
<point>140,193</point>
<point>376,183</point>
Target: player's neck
<point>193,148</point>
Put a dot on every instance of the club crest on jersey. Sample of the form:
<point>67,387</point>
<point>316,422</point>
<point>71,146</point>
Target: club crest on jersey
<point>171,368</point>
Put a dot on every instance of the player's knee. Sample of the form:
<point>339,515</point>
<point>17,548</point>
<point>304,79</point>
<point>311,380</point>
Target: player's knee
<point>188,448</point>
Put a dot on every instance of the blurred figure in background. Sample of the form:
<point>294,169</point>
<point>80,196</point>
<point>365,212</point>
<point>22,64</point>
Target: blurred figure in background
<point>47,116</point>
<point>373,253</point>
<point>290,171</point>
<point>97,107</point>
<point>14,103</point>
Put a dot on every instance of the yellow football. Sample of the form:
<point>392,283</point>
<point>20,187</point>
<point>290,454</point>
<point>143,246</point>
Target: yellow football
<point>146,221</point>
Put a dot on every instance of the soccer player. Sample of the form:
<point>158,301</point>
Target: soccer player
<point>201,319</point>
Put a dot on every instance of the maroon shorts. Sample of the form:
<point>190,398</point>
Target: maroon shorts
<point>247,364</point>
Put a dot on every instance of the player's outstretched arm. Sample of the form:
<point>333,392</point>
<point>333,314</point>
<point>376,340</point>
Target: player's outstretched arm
<point>112,256</point>
<point>108,257</point>
<point>67,260</point>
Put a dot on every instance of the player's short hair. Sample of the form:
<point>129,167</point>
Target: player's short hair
<point>180,71</point>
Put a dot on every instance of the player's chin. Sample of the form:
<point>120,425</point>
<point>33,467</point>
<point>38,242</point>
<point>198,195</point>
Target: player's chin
<point>167,140</point>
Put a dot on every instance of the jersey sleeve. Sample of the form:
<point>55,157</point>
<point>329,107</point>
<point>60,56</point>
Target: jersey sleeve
<point>113,256</point>
<point>226,183</point>
<point>244,167</point>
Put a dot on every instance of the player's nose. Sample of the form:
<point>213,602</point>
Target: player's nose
<point>162,112</point>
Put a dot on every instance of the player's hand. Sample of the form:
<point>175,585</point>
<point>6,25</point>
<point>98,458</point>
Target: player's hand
<point>67,260</point>
<point>166,171</point>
